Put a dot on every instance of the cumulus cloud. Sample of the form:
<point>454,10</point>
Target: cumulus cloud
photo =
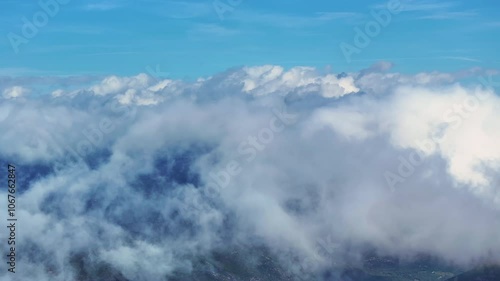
<point>143,176</point>
<point>15,92</point>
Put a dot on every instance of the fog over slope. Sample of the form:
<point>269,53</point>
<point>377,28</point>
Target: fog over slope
<point>146,173</point>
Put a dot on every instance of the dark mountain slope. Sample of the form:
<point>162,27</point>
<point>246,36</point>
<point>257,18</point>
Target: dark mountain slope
<point>485,273</point>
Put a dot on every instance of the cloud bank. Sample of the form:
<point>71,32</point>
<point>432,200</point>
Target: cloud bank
<point>143,174</point>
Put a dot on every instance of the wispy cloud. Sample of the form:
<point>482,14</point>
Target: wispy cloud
<point>180,9</point>
<point>429,58</point>
<point>419,6</point>
<point>435,10</point>
<point>79,29</point>
<point>492,24</point>
<point>111,53</point>
<point>102,6</point>
<point>287,20</point>
<point>461,58</point>
<point>23,71</point>
<point>212,30</point>
<point>451,15</point>
<point>336,15</point>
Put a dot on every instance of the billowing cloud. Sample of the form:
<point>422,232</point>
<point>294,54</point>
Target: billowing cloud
<point>15,92</point>
<point>141,176</point>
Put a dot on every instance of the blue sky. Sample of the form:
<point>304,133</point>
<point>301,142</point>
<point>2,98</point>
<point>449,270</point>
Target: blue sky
<point>189,38</point>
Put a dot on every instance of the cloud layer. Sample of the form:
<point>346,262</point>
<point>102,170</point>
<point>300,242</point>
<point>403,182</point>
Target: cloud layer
<point>145,173</point>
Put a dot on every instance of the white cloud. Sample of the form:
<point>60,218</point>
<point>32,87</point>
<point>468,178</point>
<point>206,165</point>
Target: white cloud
<point>15,92</point>
<point>114,84</point>
<point>124,165</point>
